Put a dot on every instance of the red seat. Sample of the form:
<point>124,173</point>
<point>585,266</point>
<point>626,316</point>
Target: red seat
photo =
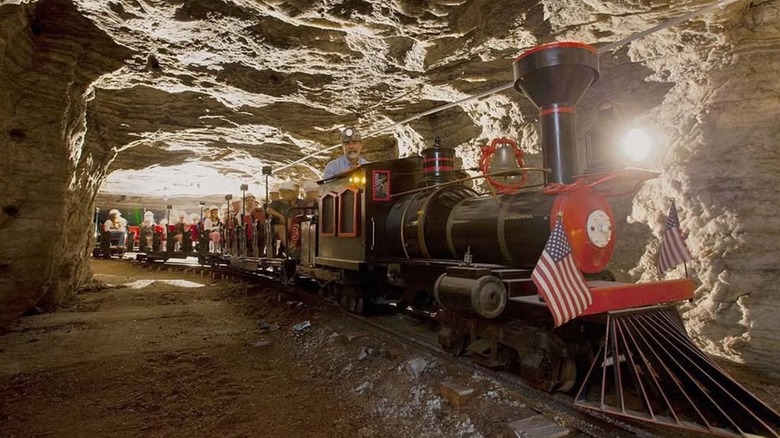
<point>136,231</point>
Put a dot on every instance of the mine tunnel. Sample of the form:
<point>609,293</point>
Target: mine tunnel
<point>150,114</point>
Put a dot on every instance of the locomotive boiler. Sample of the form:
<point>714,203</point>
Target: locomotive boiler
<point>408,232</point>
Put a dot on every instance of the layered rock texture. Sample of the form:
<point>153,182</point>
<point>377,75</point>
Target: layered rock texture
<point>152,100</point>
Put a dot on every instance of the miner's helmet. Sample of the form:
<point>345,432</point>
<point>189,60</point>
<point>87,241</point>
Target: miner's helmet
<point>350,134</point>
<point>311,186</point>
<point>114,211</point>
<point>213,207</point>
<point>288,185</point>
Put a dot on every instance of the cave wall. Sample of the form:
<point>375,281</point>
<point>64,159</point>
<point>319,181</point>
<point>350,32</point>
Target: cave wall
<point>721,166</point>
<point>708,86</point>
<point>51,58</point>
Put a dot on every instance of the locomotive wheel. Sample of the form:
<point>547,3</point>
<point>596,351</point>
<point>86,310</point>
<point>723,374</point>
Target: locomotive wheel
<point>352,304</point>
<point>356,304</point>
<point>567,375</point>
<point>452,342</point>
<point>327,291</point>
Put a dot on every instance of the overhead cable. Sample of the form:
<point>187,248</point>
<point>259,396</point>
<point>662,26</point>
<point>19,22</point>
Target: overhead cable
<point>601,50</point>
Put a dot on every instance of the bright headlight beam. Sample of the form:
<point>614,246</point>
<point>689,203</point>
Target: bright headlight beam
<point>637,144</point>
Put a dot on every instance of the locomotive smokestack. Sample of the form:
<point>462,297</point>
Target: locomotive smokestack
<point>438,164</point>
<point>554,77</point>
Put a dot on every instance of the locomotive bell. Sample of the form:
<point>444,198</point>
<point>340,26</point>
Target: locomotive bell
<point>502,160</point>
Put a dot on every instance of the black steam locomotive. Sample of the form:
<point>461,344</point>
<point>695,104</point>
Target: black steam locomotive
<point>408,232</point>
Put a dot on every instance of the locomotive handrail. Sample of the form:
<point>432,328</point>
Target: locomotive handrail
<point>485,175</point>
<point>373,233</point>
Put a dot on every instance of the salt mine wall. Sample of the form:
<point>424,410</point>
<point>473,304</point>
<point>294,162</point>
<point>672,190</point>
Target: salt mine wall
<point>721,167</point>
<point>51,57</point>
<point>709,87</point>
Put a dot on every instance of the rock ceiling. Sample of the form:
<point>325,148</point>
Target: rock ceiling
<point>173,98</point>
<point>216,89</point>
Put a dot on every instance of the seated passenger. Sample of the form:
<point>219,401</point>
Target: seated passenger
<point>179,229</point>
<point>278,212</point>
<point>235,211</point>
<point>247,209</point>
<point>194,227</point>
<point>116,226</point>
<point>274,194</point>
<point>162,228</point>
<point>311,197</point>
<point>147,231</point>
<point>212,225</point>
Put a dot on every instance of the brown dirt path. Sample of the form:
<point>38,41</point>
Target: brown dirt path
<point>165,360</point>
<point>157,361</point>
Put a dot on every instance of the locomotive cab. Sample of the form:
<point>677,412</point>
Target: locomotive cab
<point>353,209</point>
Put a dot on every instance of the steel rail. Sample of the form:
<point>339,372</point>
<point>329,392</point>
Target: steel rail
<point>550,405</point>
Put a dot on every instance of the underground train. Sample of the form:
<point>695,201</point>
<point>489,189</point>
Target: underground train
<point>409,232</point>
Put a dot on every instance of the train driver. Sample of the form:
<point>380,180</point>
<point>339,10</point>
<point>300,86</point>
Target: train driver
<point>116,225</point>
<point>352,145</point>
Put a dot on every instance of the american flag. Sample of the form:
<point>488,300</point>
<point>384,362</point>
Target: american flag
<point>559,281</point>
<point>673,248</point>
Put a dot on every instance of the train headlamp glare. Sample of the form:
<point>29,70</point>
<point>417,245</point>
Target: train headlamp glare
<point>636,144</point>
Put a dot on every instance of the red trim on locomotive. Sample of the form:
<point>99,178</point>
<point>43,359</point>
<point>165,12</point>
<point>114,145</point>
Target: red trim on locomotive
<point>374,197</point>
<point>324,220</point>
<point>575,205</point>
<point>611,296</point>
<point>486,160</point>
<point>557,109</point>
<point>355,232</point>
<point>571,44</point>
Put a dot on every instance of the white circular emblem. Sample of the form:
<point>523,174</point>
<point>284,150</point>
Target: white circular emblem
<point>599,228</point>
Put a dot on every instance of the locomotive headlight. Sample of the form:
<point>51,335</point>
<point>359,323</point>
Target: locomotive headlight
<point>637,144</point>
<point>599,228</point>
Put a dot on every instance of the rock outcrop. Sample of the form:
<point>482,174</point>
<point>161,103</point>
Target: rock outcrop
<point>167,99</point>
<point>52,56</point>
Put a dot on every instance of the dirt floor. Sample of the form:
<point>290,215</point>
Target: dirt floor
<point>164,353</point>
<point>150,358</point>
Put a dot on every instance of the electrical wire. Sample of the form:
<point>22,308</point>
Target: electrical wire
<point>603,49</point>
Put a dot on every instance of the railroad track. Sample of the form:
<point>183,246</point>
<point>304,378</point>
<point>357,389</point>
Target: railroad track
<point>551,405</point>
